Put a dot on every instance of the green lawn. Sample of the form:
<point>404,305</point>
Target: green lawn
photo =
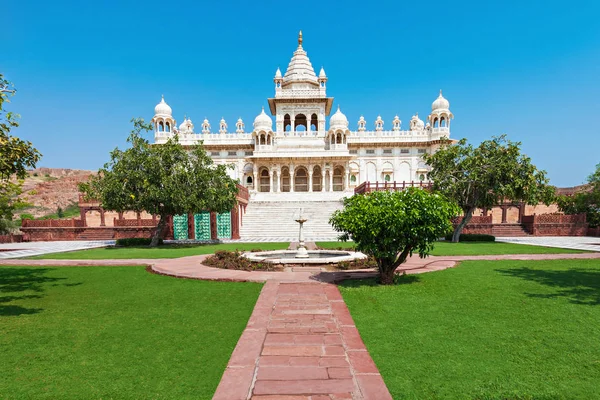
<point>486,330</point>
<point>474,248</point>
<point>116,333</point>
<point>165,251</point>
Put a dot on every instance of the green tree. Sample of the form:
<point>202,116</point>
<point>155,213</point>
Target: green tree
<point>586,202</point>
<point>485,176</point>
<point>59,212</point>
<point>16,156</point>
<point>391,225</point>
<point>163,180</point>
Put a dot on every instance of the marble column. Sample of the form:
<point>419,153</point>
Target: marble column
<point>322,179</point>
<point>292,178</point>
<point>310,180</point>
<point>331,180</point>
<point>270,181</point>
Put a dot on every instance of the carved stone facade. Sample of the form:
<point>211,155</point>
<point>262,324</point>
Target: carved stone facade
<point>300,153</point>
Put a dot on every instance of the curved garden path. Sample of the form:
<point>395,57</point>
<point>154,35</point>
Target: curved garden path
<point>300,342</point>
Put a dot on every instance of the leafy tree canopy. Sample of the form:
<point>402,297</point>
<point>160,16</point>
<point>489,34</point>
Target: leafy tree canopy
<point>164,180</point>
<point>485,176</point>
<point>391,225</point>
<point>16,156</point>
<point>587,202</point>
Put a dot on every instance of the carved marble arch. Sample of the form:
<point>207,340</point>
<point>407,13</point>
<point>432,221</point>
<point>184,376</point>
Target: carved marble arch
<point>167,127</point>
<point>300,121</point>
<point>443,122</point>
<point>287,123</point>
<point>264,185</point>
<point>317,180</point>
<point>161,127</point>
<point>338,178</point>
<point>435,122</point>
<point>314,123</point>
<point>301,180</point>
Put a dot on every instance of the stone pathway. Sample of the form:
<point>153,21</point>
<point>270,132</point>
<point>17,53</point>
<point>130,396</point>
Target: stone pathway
<point>588,243</point>
<point>301,344</point>
<point>30,249</point>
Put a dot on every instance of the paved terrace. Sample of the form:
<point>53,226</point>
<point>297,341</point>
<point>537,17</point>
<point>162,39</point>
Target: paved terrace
<point>300,342</point>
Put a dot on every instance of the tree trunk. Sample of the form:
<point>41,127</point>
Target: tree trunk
<point>387,267</point>
<point>463,222</point>
<point>158,233</point>
<point>386,276</point>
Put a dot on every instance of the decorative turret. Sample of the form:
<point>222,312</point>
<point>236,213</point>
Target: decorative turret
<point>416,124</point>
<point>396,123</point>
<point>440,113</point>
<point>322,79</point>
<point>362,124</point>
<point>239,126</point>
<point>205,126</point>
<point>300,70</point>
<point>379,124</point>
<point>278,80</point>
<point>163,117</point>
<point>222,126</point>
<point>186,127</point>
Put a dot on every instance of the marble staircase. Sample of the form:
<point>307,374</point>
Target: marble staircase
<point>275,220</point>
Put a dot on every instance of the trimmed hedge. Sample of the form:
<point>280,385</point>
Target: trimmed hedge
<point>136,242</point>
<point>473,237</point>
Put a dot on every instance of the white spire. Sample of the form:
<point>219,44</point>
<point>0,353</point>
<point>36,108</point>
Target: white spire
<point>300,69</point>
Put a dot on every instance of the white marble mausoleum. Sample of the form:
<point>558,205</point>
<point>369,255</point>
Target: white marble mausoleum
<point>307,148</point>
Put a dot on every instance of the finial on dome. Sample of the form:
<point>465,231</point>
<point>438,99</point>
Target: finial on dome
<point>440,92</point>
<point>300,39</point>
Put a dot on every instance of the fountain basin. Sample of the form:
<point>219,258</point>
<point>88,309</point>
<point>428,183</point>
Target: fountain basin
<point>314,256</point>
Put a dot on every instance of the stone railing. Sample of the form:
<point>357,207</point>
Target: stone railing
<point>134,222</point>
<point>367,187</point>
<point>554,219</point>
<point>52,223</point>
<point>475,220</point>
<point>243,192</point>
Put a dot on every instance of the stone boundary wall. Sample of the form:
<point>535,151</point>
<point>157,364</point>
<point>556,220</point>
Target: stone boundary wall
<point>12,238</point>
<point>594,231</point>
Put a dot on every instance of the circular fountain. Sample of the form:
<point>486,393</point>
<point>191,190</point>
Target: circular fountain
<point>303,256</point>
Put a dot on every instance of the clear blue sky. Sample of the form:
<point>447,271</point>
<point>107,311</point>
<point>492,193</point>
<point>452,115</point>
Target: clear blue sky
<point>529,69</point>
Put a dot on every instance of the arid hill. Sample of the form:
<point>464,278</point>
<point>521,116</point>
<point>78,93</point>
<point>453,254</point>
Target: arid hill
<point>49,188</point>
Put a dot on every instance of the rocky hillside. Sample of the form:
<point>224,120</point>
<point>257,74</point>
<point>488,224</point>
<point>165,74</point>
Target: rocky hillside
<point>49,188</point>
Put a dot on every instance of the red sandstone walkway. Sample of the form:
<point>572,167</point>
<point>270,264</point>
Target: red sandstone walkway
<point>301,344</point>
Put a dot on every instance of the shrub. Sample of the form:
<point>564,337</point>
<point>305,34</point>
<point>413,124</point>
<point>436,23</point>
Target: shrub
<point>473,237</point>
<point>128,242</point>
<point>234,260</point>
<point>366,263</point>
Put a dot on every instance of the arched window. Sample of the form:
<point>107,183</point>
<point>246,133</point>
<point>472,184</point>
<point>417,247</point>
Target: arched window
<point>338,139</point>
<point>168,127</point>
<point>443,122</point>
<point>353,179</point>
<point>287,123</point>
<point>387,177</point>
<point>161,127</point>
<point>264,180</point>
<point>299,121</point>
<point>322,84</point>
<point>262,139</point>
<point>422,177</point>
<point>435,123</point>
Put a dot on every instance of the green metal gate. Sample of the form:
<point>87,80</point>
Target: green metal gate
<point>180,227</point>
<point>224,225</point>
<point>202,226</point>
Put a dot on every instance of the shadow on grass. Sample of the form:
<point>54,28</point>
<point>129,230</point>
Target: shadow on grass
<point>579,286</point>
<point>374,282</point>
<point>18,280</point>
